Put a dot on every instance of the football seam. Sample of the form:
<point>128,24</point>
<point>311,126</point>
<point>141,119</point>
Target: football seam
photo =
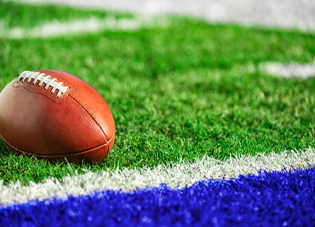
<point>15,86</point>
<point>60,155</point>
<point>53,71</point>
<point>76,101</point>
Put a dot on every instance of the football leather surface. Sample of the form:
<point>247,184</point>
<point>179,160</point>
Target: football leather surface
<point>56,116</point>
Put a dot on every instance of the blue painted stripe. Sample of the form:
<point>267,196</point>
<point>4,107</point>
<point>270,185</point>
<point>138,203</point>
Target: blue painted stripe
<point>285,198</point>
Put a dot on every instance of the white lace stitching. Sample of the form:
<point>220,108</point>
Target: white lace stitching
<point>43,78</point>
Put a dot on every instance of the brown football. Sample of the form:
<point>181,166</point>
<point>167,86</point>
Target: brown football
<point>56,116</point>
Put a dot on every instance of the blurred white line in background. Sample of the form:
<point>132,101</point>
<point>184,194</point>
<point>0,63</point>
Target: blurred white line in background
<point>289,70</point>
<point>275,13</point>
<point>56,28</point>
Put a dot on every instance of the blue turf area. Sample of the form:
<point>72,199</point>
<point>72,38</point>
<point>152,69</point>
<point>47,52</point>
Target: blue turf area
<point>285,198</point>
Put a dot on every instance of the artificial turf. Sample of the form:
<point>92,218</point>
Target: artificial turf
<point>180,91</point>
<point>273,198</point>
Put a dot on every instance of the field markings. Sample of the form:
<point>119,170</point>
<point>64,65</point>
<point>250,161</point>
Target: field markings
<point>91,25</point>
<point>292,70</point>
<point>275,13</point>
<point>174,175</point>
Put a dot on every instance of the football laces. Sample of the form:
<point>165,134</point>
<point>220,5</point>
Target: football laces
<point>43,78</point>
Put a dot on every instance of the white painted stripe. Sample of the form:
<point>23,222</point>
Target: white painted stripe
<point>173,175</point>
<point>280,13</point>
<point>289,70</point>
<point>56,28</point>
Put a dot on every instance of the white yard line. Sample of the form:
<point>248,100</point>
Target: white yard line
<point>280,13</point>
<point>172,175</point>
<point>289,70</point>
<point>55,28</point>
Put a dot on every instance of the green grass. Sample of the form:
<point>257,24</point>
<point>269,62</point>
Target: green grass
<point>177,92</point>
<point>29,15</point>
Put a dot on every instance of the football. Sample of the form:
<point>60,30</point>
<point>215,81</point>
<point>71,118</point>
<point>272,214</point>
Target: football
<point>56,116</point>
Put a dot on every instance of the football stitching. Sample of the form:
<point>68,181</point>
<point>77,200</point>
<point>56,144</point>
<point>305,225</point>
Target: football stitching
<point>15,84</point>
<point>65,80</point>
<point>39,93</point>
<point>44,78</point>
<point>76,101</point>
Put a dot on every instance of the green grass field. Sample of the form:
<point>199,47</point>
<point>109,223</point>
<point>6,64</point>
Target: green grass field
<point>179,91</point>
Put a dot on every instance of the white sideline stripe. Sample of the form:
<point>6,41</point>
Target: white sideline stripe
<point>55,28</point>
<point>173,175</point>
<point>289,70</point>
